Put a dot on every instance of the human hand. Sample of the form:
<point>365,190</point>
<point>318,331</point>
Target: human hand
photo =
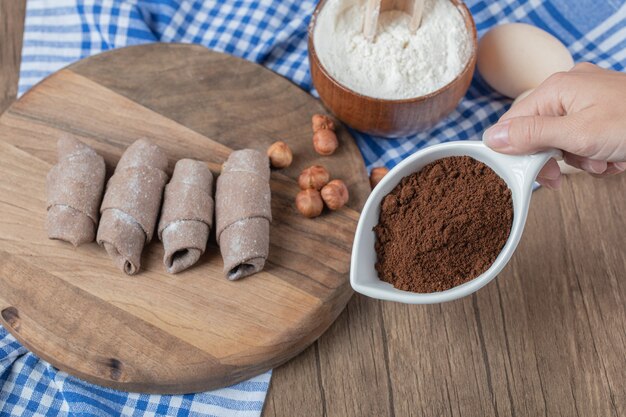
<point>582,112</point>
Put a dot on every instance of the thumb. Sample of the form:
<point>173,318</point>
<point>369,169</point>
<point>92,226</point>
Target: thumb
<point>528,134</point>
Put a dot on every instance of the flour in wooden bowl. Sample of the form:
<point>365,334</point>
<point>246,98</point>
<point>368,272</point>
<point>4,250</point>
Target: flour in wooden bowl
<point>398,64</point>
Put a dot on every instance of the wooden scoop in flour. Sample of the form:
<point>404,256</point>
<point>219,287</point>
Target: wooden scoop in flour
<point>413,8</point>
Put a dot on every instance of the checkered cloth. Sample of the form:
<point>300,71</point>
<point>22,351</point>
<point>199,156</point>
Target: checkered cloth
<point>32,387</point>
<point>272,33</point>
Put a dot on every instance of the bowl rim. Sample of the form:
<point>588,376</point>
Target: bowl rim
<point>471,62</point>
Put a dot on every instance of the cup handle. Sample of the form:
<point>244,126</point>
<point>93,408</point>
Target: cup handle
<point>526,167</point>
<point>535,162</point>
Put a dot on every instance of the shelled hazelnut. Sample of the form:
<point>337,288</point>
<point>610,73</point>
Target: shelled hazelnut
<point>335,194</point>
<point>325,142</point>
<point>314,177</point>
<point>309,203</point>
<point>320,121</point>
<point>280,155</point>
<point>377,174</point>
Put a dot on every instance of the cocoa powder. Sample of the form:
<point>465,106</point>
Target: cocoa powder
<point>442,226</point>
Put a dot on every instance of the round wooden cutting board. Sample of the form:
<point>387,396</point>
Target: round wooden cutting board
<point>155,332</point>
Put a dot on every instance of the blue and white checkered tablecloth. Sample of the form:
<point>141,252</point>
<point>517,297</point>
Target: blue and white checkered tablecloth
<point>272,33</point>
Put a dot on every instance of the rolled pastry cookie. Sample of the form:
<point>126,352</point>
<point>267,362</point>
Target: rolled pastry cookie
<point>131,204</point>
<point>243,213</point>
<point>186,215</point>
<point>74,191</point>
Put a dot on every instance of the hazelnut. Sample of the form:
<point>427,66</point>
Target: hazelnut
<point>314,177</point>
<point>309,203</point>
<point>335,194</point>
<point>280,155</point>
<point>321,121</point>
<point>325,142</point>
<point>377,174</point>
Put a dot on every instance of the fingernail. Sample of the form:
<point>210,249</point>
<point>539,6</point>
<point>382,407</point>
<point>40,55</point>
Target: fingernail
<point>615,168</point>
<point>595,167</point>
<point>550,172</point>
<point>497,136</point>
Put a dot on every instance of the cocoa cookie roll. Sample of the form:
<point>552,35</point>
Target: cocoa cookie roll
<point>243,213</point>
<point>74,191</point>
<point>131,204</point>
<point>187,215</point>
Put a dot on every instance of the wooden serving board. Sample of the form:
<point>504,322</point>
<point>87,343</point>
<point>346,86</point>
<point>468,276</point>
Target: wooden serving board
<point>155,332</point>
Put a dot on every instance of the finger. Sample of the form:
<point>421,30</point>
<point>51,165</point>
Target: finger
<point>572,160</point>
<point>585,67</point>
<point>522,97</point>
<point>531,105</point>
<point>529,134</point>
<point>551,184</point>
<point>545,100</point>
<point>550,175</point>
<point>592,166</point>
<point>619,166</point>
<point>567,169</point>
<point>550,171</point>
<point>614,168</point>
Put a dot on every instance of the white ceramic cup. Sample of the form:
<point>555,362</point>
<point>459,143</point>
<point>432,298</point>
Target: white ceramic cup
<point>519,172</point>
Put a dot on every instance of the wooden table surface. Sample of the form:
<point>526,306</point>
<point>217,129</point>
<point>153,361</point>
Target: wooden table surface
<point>547,337</point>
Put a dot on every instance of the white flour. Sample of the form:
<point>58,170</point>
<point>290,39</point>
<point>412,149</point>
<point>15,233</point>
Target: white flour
<point>397,64</point>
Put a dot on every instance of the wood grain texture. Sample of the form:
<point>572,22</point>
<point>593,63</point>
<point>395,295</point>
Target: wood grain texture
<point>12,14</point>
<point>156,332</point>
<point>546,338</point>
<point>274,109</point>
<point>391,118</point>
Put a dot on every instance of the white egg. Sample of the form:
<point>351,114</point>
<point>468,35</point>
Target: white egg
<point>516,57</point>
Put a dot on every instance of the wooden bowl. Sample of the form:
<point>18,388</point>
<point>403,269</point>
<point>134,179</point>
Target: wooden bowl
<point>391,118</point>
